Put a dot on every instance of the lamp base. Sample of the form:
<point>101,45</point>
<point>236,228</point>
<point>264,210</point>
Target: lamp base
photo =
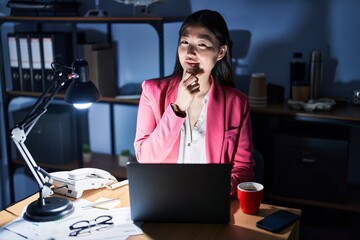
<point>54,208</point>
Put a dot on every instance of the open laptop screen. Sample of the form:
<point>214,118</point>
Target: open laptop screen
<point>188,193</point>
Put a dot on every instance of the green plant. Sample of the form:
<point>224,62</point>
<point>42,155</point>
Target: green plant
<point>86,148</point>
<point>125,152</point>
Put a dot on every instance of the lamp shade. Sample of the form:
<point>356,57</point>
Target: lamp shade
<point>81,90</point>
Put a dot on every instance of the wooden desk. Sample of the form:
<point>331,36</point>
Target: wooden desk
<point>241,226</point>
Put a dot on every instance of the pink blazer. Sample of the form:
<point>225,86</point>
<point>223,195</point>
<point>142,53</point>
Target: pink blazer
<point>228,128</point>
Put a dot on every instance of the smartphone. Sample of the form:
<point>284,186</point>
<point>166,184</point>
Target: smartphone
<point>277,221</point>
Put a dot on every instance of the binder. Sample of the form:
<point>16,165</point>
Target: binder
<point>35,63</point>
<point>56,47</point>
<point>14,64</point>
<point>47,59</point>
<point>101,60</point>
<point>24,63</point>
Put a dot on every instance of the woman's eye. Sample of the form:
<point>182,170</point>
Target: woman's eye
<point>183,42</point>
<point>202,45</point>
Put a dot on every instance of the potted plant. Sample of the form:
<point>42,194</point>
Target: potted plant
<point>124,157</point>
<point>86,153</point>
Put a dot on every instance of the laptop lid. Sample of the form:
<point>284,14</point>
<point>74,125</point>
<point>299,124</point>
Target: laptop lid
<point>183,193</point>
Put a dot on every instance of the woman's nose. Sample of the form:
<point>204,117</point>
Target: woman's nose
<point>191,49</point>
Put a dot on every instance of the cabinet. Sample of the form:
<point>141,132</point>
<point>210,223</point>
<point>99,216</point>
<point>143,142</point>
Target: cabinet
<point>39,24</point>
<point>310,157</point>
<point>309,168</point>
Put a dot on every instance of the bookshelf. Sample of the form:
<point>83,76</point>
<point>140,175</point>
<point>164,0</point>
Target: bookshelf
<point>9,94</point>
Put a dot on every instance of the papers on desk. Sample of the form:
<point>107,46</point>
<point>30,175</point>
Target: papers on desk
<point>122,226</point>
<point>19,228</point>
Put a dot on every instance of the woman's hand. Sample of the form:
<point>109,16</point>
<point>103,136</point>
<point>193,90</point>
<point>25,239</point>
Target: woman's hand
<point>188,88</point>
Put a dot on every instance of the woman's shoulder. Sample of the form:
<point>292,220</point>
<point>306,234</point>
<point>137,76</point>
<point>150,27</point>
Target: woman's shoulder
<point>161,83</point>
<point>236,98</point>
<point>235,93</point>
<point>158,87</point>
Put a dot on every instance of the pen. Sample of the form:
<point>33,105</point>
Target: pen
<point>16,233</point>
<point>118,184</point>
<point>100,203</point>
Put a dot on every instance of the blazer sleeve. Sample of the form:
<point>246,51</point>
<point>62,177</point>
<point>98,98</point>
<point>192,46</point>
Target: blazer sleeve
<point>158,128</point>
<point>243,162</point>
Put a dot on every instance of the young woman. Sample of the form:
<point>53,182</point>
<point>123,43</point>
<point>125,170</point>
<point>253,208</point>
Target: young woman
<point>196,115</point>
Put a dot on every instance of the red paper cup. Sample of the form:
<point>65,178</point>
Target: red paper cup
<point>250,195</point>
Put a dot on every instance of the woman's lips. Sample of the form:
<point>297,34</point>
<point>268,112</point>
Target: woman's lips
<point>191,66</point>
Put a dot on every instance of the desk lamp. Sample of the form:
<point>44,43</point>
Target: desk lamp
<point>81,93</point>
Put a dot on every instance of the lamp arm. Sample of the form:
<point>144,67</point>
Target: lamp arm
<point>41,176</point>
<point>20,132</point>
<point>45,99</point>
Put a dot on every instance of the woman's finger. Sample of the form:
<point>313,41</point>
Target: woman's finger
<point>194,86</point>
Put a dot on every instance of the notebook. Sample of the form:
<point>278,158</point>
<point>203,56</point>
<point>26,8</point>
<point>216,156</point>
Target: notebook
<point>179,193</point>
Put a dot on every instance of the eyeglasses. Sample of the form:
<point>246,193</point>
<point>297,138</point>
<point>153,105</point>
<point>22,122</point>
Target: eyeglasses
<point>84,227</point>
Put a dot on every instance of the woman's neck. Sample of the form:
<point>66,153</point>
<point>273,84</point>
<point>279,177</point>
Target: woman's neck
<point>205,84</point>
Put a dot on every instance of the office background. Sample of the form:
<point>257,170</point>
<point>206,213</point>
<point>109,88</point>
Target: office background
<point>265,33</point>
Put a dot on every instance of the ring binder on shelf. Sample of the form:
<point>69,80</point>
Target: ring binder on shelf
<point>14,64</point>
<point>35,63</point>
<point>56,47</point>
<point>31,55</point>
<point>48,57</point>
<point>25,77</point>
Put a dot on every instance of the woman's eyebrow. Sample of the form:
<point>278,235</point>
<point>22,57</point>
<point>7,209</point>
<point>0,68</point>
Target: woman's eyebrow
<point>206,37</point>
<point>200,36</point>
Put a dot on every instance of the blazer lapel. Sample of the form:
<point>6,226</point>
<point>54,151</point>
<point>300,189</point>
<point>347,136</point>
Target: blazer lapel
<point>172,90</point>
<point>215,124</point>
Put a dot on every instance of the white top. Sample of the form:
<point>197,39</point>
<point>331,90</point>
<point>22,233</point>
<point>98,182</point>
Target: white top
<point>192,144</point>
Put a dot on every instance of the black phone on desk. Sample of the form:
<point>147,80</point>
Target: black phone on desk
<point>277,221</point>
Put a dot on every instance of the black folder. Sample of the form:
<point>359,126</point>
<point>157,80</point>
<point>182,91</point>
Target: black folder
<point>14,63</point>
<point>55,47</point>
<point>24,62</point>
<point>35,63</point>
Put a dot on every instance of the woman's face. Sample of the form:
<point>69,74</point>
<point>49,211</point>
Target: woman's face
<point>199,50</point>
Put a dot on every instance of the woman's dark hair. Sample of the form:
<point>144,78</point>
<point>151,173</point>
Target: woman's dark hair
<point>215,23</point>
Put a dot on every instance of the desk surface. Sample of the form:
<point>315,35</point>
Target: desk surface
<point>241,226</point>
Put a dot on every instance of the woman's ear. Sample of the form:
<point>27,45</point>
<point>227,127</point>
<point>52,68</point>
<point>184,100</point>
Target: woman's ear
<point>222,52</point>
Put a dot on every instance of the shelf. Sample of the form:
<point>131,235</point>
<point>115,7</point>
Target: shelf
<point>127,19</point>
<point>102,161</point>
<point>51,167</point>
<point>349,113</point>
<point>309,135</point>
<point>13,94</point>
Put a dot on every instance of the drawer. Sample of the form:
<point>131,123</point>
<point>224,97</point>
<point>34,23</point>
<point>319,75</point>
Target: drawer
<point>309,168</point>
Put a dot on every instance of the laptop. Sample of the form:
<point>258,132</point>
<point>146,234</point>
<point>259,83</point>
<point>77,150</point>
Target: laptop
<point>179,193</point>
